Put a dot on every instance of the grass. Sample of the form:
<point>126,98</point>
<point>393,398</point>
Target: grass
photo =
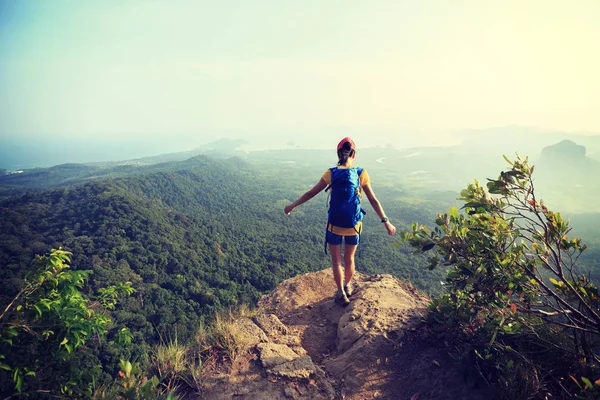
<point>222,339</point>
<point>179,368</point>
<point>170,358</point>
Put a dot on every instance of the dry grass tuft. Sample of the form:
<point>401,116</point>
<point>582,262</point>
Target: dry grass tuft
<point>222,339</point>
<point>178,365</point>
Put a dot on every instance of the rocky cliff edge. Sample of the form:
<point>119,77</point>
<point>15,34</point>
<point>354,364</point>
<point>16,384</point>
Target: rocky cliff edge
<point>302,345</point>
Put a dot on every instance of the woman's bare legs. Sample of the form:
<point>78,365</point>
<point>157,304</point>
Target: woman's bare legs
<point>349,251</point>
<point>336,263</point>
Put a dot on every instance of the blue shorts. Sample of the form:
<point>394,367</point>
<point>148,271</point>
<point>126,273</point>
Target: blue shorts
<point>334,239</point>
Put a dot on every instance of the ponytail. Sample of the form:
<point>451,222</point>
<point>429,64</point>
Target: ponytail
<point>344,153</point>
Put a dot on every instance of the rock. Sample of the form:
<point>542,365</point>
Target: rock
<point>300,368</point>
<point>273,354</point>
<point>320,373</point>
<point>290,393</point>
<point>250,332</point>
<point>299,291</point>
<point>242,391</point>
<point>301,351</point>
<point>271,325</point>
<point>327,388</point>
<point>289,340</point>
<point>380,308</point>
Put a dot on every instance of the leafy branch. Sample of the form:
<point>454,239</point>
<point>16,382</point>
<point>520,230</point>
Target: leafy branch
<point>50,317</point>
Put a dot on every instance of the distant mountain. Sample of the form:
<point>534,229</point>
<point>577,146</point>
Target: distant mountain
<point>24,154</point>
<point>568,178</point>
<point>566,151</point>
<point>44,177</point>
<point>527,141</point>
<point>71,174</point>
<point>566,157</point>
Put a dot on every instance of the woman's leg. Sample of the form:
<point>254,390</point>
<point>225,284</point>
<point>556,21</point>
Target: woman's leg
<point>349,251</point>
<point>336,263</point>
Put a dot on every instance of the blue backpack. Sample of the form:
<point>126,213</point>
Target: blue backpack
<point>344,205</point>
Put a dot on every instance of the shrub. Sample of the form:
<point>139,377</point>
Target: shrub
<point>45,327</point>
<point>515,294</point>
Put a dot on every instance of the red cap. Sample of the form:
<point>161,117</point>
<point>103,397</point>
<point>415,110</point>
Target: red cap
<point>348,140</point>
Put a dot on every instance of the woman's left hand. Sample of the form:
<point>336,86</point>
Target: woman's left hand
<point>390,228</point>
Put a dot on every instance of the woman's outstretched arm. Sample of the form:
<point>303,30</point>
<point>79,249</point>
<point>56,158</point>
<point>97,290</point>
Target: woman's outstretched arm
<point>378,208</point>
<point>306,196</point>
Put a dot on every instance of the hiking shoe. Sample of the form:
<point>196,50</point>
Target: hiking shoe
<point>348,290</point>
<point>341,298</point>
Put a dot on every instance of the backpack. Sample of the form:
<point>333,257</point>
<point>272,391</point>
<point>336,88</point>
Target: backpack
<point>344,204</point>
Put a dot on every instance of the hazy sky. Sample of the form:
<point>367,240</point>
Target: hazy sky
<point>181,73</point>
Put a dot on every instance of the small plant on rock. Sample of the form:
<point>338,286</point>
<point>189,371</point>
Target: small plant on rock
<point>133,385</point>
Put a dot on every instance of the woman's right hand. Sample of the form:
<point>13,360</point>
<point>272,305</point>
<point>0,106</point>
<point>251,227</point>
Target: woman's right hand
<point>288,209</point>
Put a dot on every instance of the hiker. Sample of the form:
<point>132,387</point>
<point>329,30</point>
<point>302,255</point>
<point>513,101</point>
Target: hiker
<point>345,214</point>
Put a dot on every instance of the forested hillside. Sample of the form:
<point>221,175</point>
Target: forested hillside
<point>192,237</point>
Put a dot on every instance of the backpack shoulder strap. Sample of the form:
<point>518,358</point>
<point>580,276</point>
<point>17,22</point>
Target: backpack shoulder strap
<point>359,171</point>
<point>332,169</point>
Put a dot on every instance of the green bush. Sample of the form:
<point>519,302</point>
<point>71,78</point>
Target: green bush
<point>515,296</point>
<point>44,329</point>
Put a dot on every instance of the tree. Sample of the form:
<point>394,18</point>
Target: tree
<point>513,271</point>
<point>47,321</point>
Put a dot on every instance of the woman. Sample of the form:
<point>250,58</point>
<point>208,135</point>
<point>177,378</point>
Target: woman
<point>346,151</point>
